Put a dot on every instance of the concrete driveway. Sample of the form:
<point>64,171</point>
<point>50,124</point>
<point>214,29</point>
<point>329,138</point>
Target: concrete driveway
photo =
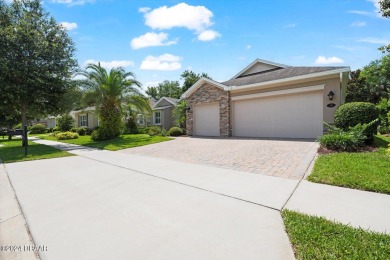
<point>108,205</point>
<point>280,158</point>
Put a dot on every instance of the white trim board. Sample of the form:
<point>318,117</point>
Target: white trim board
<point>259,61</point>
<point>279,92</point>
<point>199,83</point>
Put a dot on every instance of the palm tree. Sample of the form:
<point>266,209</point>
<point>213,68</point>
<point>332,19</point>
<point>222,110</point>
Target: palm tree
<point>109,90</point>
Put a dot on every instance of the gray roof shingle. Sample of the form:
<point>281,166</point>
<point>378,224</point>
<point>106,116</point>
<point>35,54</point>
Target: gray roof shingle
<point>281,73</point>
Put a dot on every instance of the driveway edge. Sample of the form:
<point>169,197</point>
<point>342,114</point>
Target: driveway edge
<point>15,237</point>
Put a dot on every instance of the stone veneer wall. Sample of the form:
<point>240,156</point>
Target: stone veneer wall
<point>209,94</point>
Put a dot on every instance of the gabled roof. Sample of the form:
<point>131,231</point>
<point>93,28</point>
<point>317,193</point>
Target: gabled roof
<point>284,73</point>
<point>199,83</point>
<point>259,61</point>
<point>173,101</point>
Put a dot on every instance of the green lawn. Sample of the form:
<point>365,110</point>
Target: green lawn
<point>122,142</point>
<point>364,171</point>
<point>12,151</point>
<point>318,238</point>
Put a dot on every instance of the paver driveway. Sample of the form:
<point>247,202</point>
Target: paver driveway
<point>281,158</point>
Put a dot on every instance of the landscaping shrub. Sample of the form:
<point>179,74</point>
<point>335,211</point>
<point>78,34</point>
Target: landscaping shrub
<point>384,116</point>
<point>65,123</point>
<point>131,126</point>
<point>154,130</point>
<point>78,130</point>
<point>98,135</point>
<point>175,131</point>
<point>38,129</point>
<point>67,136</point>
<point>345,140</point>
<point>55,133</point>
<point>88,131</point>
<point>143,130</point>
<point>164,132</point>
<point>354,113</point>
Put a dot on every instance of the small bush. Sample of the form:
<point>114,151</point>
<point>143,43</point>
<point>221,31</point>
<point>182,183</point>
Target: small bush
<point>67,136</point>
<point>354,113</point>
<point>88,131</point>
<point>98,135</point>
<point>131,125</point>
<point>175,131</point>
<point>164,132</point>
<point>341,140</point>
<point>38,129</point>
<point>50,130</point>
<point>78,130</point>
<point>55,133</point>
<point>143,130</point>
<point>154,130</point>
<point>65,122</point>
<point>56,129</point>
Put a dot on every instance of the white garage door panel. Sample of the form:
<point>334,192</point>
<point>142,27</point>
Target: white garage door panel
<point>206,120</point>
<point>286,116</point>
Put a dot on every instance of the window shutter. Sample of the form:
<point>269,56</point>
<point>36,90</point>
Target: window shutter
<point>87,120</point>
<point>79,119</point>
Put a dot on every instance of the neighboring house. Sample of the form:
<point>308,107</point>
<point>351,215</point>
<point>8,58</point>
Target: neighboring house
<point>86,117</point>
<point>146,120</point>
<point>163,112</point>
<point>267,99</point>
<point>49,122</point>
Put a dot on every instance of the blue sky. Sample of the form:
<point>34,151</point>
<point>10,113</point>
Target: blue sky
<point>158,40</point>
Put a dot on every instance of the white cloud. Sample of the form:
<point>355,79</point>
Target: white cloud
<point>163,62</point>
<point>69,26</point>
<point>181,15</point>
<point>111,64</point>
<point>151,83</point>
<point>248,47</point>
<point>208,35</point>
<point>151,39</point>
<point>72,2</point>
<point>144,9</point>
<point>360,12</point>
<point>290,25</point>
<point>358,24</point>
<point>375,41</point>
<point>331,60</point>
<point>194,18</point>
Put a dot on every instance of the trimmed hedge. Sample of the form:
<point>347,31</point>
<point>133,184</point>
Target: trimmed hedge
<point>79,130</point>
<point>38,129</point>
<point>67,136</point>
<point>175,131</point>
<point>354,113</point>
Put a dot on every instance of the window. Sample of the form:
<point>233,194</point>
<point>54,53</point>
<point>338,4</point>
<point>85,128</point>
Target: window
<point>140,120</point>
<point>83,120</point>
<point>157,118</point>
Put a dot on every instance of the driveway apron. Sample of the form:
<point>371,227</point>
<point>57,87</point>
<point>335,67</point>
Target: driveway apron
<point>84,208</point>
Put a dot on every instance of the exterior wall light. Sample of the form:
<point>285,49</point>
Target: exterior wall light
<point>331,95</point>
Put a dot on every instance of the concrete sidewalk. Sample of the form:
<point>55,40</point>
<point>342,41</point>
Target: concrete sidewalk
<point>13,228</point>
<point>367,210</point>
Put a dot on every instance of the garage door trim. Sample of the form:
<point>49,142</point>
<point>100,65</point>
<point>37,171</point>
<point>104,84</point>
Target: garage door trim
<point>280,92</point>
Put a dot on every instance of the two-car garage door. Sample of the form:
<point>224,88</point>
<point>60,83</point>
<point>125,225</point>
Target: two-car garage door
<point>285,116</point>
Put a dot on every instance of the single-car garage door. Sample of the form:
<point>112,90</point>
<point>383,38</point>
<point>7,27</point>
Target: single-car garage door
<point>206,119</point>
<point>283,116</point>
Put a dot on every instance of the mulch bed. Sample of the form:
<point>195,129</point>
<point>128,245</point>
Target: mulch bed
<point>323,150</point>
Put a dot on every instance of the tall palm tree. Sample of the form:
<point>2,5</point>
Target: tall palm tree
<point>109,90</point>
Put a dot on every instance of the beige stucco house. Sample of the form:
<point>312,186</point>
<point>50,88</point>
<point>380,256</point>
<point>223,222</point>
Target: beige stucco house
<point>163,112</point>
<point>86,117</point>
<point>267,99</point>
